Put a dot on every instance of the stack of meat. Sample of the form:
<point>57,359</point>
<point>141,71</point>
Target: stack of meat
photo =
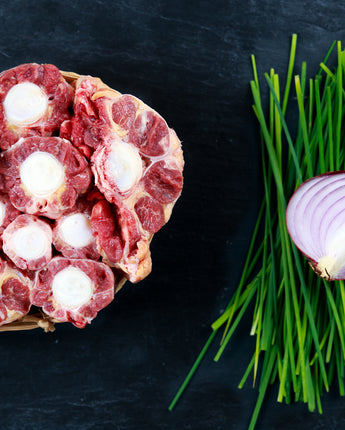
<point>87,176</point>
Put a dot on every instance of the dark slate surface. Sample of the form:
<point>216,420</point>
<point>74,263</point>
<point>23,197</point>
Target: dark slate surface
<point>190,60</point>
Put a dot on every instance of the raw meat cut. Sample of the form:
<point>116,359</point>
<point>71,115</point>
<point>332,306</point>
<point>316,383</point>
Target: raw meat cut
<point>73,290</point>
<point>120,242</point>
<point>15,290</point>
<point>27,241</point>
<point>44,175</point>
<point>106,230</point>
<point>87,176</point>
<point>85,127</point>
<point>34,101</point>
<point>150,213</point>
<point>137,163</point>
<point>7,213</point>
<point>73,235</point>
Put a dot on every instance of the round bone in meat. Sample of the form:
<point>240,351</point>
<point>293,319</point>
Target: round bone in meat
<point>41,174</point>
<point>73,235</point>
<point>76,230</point>
<point>15,290</point>
<point>117,167</point>
<point>137,163</point>
<point>34,100</point>
<point>44,175</point>
<point>24,104</point>
<point>27,241</point>
<point>73,290</point>
<point>124,165</point>
<point>143,133</point>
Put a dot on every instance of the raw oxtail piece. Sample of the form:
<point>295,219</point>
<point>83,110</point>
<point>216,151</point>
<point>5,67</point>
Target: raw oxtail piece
<point>315,220</point>
<point>136,160</point>
<point>123,175</point>
<point>129,137</point>
<point>27,241</point>
<point>85,129</point>
<point>73,290</point>
<point>73,235</point>
<point>87,176</point>
<point>120,243</point>
<point>34,100</point>
<point>7,213</point>
<point>15,290</point>
<point>44,175</point>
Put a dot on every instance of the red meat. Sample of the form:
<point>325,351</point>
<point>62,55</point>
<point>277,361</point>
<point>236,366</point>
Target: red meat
<point>27,241</point>
<point>72,167</point>
<point>56,91</point>
<point>86,126</point>
<point>163,181</point>
<point>120,242</point>
<point>150,134</point>
<point>137,163</point>
<point>73,290</point>
<point>72,233</point>
<point>7,213</point>
<point>150,213</point>
<point>106,231</point>
<point>15,290</point>
<point>123,111</point>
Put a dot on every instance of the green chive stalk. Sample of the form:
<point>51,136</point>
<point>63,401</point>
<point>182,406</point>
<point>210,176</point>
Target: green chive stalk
<point>298,319</point>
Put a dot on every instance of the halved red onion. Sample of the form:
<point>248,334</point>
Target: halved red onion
<point>315,220</point>
<point>307,226</point>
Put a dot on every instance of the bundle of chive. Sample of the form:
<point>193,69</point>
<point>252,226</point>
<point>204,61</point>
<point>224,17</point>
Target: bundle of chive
<point>298,318</point>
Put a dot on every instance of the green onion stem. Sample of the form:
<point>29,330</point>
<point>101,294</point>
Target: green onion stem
<point>298,319</point>
<point>192,370</point>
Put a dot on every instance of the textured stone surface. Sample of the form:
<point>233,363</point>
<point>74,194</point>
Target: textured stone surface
<point>189,60</point>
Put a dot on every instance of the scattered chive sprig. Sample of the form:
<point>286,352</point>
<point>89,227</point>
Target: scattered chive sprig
<point>298,318</point>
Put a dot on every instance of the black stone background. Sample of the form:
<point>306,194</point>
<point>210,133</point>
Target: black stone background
<point>190,61</point>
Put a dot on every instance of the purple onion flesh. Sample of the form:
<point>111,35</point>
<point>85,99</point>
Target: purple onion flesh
<point>315,219</point>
